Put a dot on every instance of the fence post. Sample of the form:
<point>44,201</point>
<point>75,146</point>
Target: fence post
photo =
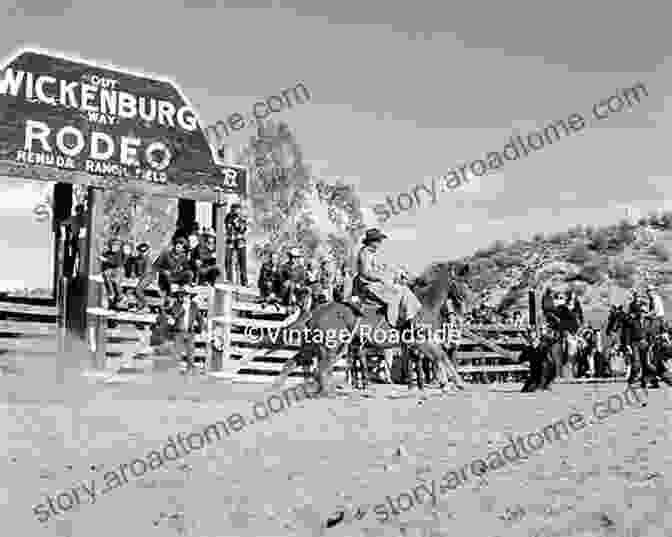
<point>227,314</point>
<point>210,330</point>
<point>99,328</point>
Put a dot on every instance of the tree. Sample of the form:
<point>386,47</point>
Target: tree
<point>289,206</point>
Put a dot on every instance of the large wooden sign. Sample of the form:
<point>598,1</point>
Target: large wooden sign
<point>70,120</point>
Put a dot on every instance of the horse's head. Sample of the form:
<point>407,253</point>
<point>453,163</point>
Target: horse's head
<point>449,281</point>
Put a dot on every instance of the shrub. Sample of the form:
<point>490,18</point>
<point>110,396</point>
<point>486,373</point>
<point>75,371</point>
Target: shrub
<point>507,261</point>
<point>538,237</point>
<point>665,221</point>
<point>591,273</point>
<point>558,238</point>
<point>626,283</point>
<point>622,270</point>
<point>623,236</point>
<point>579,254</point>
<point>660,251</point>
<point>599,241</point>
<point>576,231</point>
<point>643,221</point>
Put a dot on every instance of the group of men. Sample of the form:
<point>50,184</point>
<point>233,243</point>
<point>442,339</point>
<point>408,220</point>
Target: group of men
<point>296,283</point>
<point>640,333</point>
<point>190,260</point>
<point>641,338</point>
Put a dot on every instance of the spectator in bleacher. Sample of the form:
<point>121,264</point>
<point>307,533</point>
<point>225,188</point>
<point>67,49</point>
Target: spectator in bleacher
<point>141,260</point>
<point>326,279</point>
<point>204,259</point>
<point>235,225</point>
<point>517,319</point>
<point>574,305</point>
<point>293,280</point>
<point>269,278</point>
<point>127,251</point>
<point>112,267</point>
<point>172,266</point>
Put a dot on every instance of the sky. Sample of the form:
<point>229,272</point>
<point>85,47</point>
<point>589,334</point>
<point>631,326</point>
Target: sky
<point>402,92</point>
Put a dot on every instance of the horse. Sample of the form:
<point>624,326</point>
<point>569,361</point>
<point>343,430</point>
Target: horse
<point>369,317</point>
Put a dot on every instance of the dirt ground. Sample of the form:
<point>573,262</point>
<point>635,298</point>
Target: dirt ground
<point>288,475</point>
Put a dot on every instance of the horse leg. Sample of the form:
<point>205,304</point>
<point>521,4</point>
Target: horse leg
<point>281,379</point>
<point>420,374</point>
<point>326,361</point>
<point>365,370</point>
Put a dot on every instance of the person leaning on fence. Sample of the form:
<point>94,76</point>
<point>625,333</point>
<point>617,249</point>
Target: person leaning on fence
<point>269,278</point>
<point>326,279</point>
<point>313,282</point>
<point>112,267</point>
<point>235,225</point>
<point>179,320</point>
<point>172,266</point>
<point>204,259</point>
<point>293,280</point>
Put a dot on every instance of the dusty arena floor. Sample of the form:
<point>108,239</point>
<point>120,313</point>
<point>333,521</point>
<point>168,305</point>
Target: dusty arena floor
<point>290,474</point>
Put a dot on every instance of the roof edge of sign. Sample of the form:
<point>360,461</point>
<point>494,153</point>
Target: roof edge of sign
<point>36,49</point>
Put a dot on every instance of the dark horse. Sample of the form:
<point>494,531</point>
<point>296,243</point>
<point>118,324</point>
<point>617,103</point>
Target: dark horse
<point>371,319</point>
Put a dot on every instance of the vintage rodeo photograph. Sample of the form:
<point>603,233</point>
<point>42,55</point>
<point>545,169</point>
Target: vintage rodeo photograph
<point>290,268</point>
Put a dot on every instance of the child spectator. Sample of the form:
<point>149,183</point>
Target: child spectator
<point>204,260</point>
<point>141,261</point>
<point>186,320</point>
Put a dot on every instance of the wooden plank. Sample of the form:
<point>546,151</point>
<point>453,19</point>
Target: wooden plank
<point>248,291</point>
<point>496,328</point>
<point>492,368</point>
<point>124,316</point>
<point>18,329</point>
<point>11,307</point>
<point>488,343</point>
<point>477,355</point>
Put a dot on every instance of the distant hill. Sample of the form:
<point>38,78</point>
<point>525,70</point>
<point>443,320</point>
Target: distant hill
<point>602,264</point>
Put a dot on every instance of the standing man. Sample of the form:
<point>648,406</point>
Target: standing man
<point>269,278</point>
<point>172,265</point>
<point>293,278</point>
<point>235,225</point>
<point>656,313</point>
<point>640,370</point>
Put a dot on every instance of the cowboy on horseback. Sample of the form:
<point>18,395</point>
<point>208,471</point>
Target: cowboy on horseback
<point>372,281</point>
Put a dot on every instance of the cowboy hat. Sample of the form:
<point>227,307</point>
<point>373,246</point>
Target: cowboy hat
<point>373,234</point>
<point>294,252</point>
<point>209,232</point>
<point>143,247</point>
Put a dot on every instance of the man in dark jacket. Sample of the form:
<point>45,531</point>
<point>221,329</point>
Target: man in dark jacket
<point>636,341</point>
<point>293,278</point>
<point>112,267</point>
<point>269,277</point>
<point>172,266</point>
